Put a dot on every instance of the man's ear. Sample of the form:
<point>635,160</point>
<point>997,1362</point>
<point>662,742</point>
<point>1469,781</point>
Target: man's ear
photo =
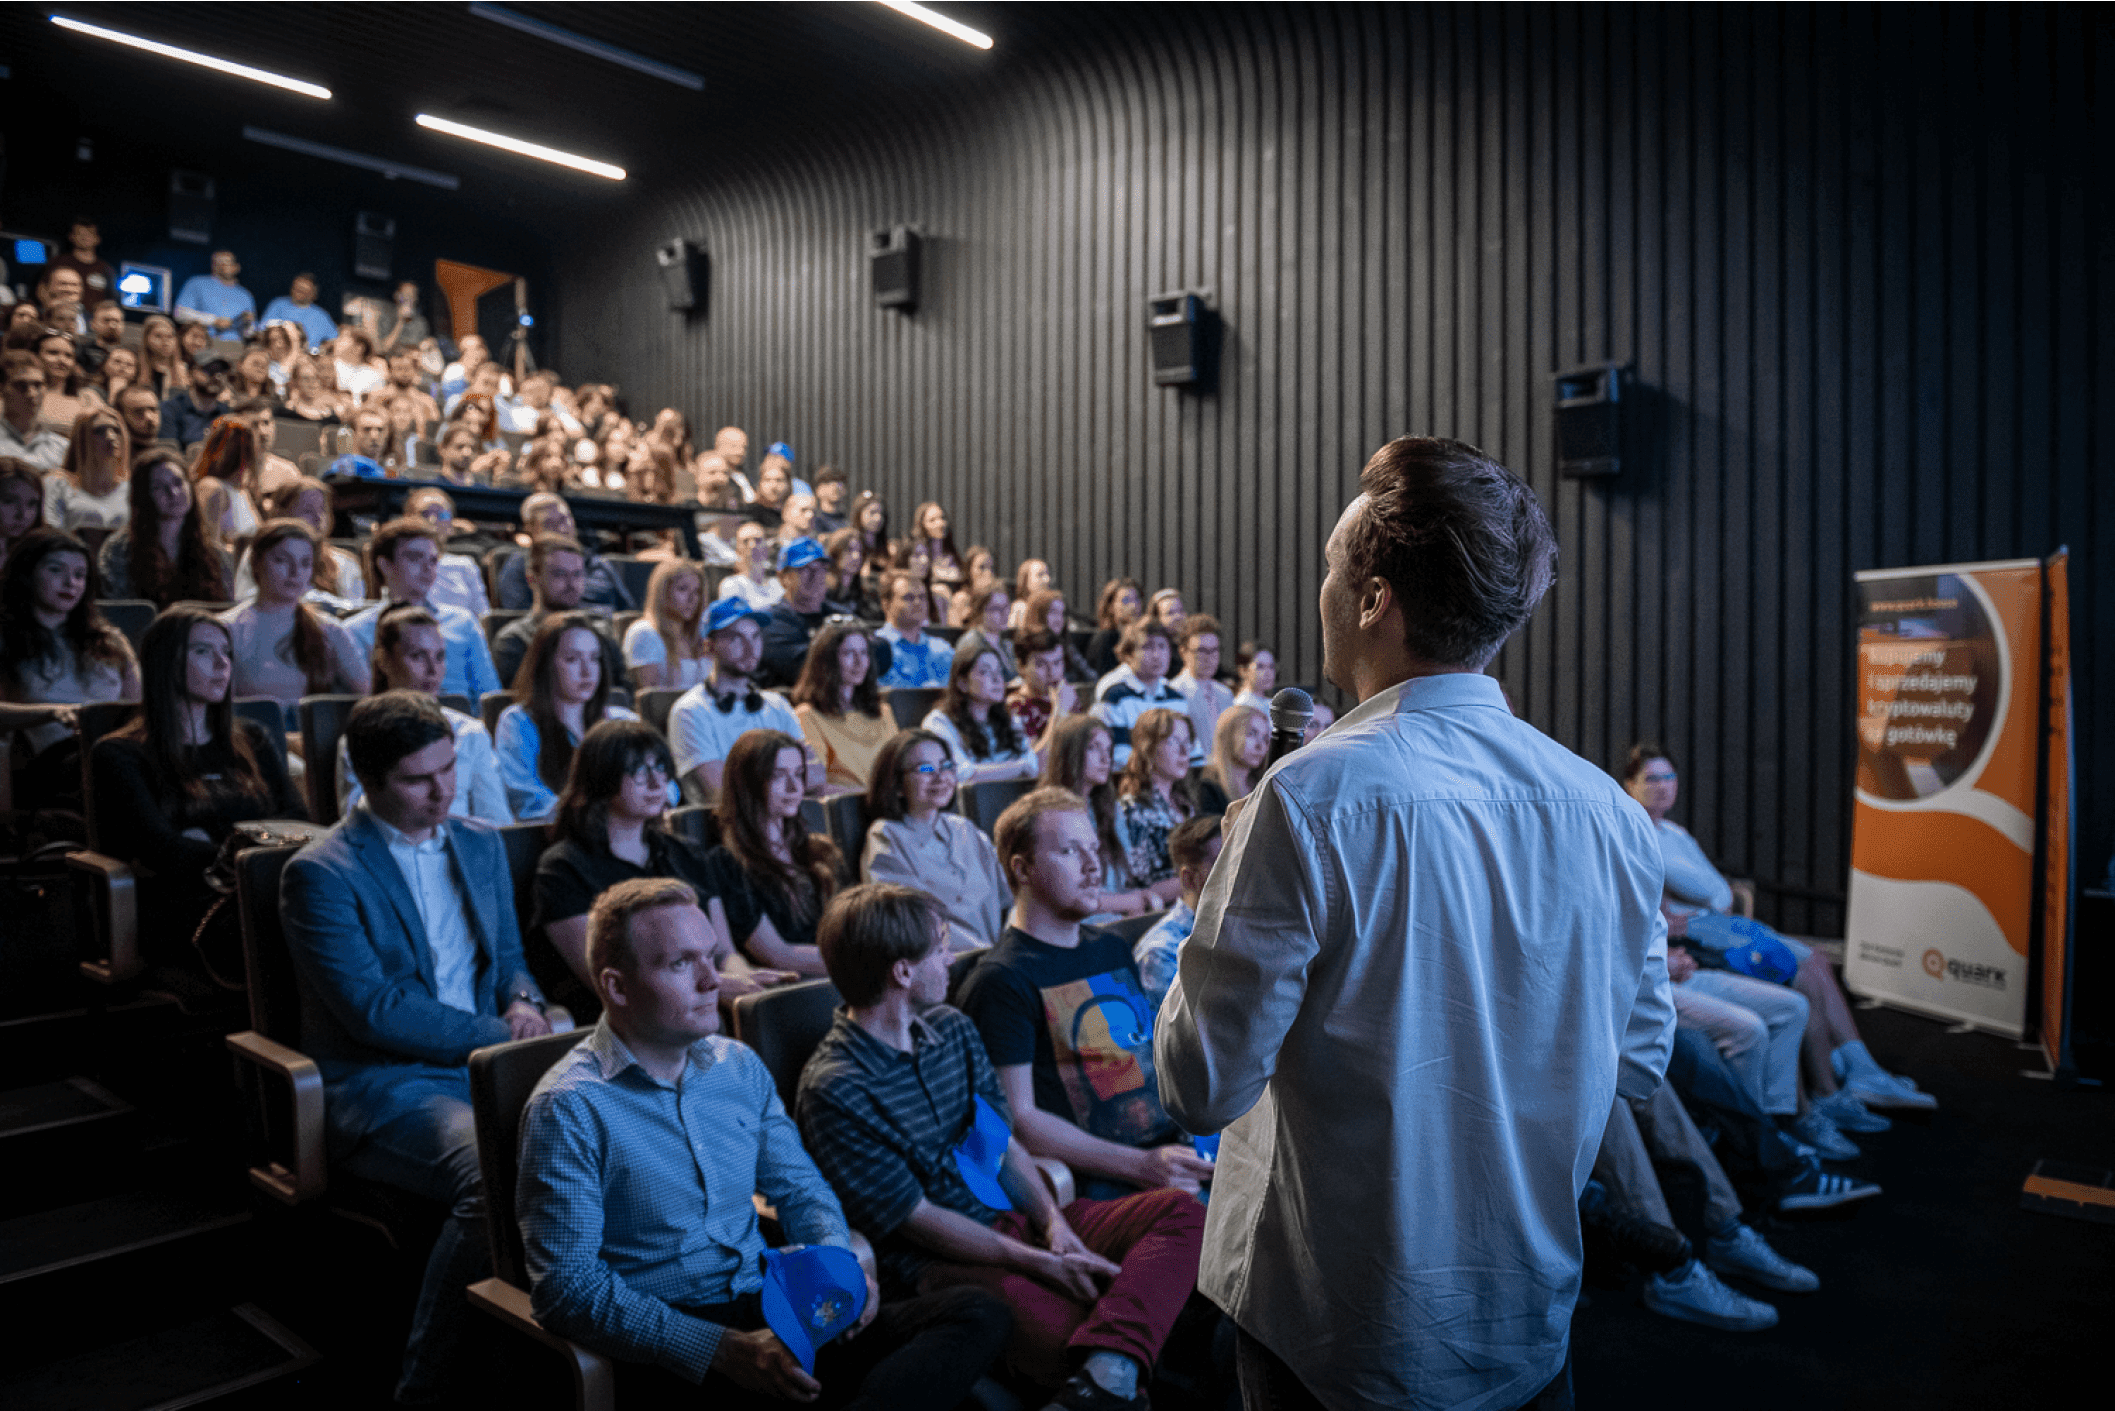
<point>610,981</point>
<point>1374,601</point>
<point>901,973</point>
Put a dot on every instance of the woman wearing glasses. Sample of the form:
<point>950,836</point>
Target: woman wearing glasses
<point>839,703</point>
<point>608,830</point>
<point>912,841</point>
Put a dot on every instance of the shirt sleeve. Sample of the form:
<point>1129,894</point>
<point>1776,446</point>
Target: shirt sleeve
<point>882,861</point>
<point>1648,1035</point>
<point>477,663</point>
<point>561,892</point>
<point>862,1165</point>
<point>528,796</point>
<point>1007,1012</point>
<point>477,775</point>
<point>687,736</point>
<point>574,1291</point>
<point>1243,971</point>
<point>807,1207</point>
<point>643,645</point>
<point>1155,955</point>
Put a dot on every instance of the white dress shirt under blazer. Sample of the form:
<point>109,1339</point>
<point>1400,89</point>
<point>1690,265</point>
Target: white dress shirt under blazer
<point>1427,961</point>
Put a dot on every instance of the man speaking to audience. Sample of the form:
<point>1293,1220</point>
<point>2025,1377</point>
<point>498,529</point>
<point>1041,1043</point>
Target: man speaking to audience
<point>1427,961</point>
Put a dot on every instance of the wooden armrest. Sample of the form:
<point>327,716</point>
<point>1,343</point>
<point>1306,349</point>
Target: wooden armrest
<point>117,917</point>
<point>1059,1177</point>
<point>594,1384</point>
<point>1743,896</point>
<point>303,1179</point>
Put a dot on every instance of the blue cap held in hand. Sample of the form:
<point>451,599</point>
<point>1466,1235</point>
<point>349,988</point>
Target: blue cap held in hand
<point>811,1293</point>
<point>982,1153</point>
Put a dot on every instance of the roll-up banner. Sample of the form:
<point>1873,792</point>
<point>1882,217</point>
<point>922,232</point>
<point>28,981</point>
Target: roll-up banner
<point>1943,889</point>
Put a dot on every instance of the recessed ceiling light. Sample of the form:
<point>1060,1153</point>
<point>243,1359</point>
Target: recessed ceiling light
<point>974,37</point>
<point>189,56</point>
<point>526,149</point>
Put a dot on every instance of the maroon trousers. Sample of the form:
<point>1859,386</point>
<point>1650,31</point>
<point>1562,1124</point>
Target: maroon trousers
<point>1156,1236</point>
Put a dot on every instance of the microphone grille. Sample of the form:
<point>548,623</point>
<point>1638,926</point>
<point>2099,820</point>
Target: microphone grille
<point>1291,709</point>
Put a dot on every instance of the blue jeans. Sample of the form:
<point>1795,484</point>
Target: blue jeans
<point>430,1149</point>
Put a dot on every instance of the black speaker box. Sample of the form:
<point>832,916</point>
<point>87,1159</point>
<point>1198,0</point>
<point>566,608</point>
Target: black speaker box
<point>1590,421</point>
<point>1181,330</point>
<point>683,274</point>
<point>373,236</point>
<point>892,259</point>
<point>191,207</point>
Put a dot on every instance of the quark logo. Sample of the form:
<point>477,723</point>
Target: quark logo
<point>1989,977</point>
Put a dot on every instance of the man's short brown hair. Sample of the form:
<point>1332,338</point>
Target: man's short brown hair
<point>382,545</point>
<point>1191,841</point>
<point>1461,540</point>
<point>609,935</point>
<point>866,929</point>
<point>1127,646</point>
<point>1014,835</point>
<point>1200,624</point>
<point>888,584</point>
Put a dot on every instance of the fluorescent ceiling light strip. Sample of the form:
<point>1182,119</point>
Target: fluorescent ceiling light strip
<point>444,180</point>
<point>499,14</point>
<point>207,61</point>
<point>527,149</point>
<point>976,38</point>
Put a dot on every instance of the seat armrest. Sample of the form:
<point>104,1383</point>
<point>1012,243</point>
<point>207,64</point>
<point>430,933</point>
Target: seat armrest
<point>1059,1177</point>
<point>594,1383</point>
<point>302,1177</point>
<point>117,915</point>
<point>1743,896</point>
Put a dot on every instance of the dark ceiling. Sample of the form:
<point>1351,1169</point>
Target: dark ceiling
<point>768,70</point>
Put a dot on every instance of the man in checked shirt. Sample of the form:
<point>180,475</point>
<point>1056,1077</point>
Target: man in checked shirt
<point>890,1094</point>
<point>640,1151</point>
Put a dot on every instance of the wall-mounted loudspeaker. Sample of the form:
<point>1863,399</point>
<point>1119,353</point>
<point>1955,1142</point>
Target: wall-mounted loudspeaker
<point>373,236</point>
<point>191,207</point>
<point>892,258</point>
<point>1590,420</point>
<point>1180,330</point>
<point>683,273</point>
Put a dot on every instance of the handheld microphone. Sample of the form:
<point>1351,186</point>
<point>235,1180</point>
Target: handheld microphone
<point>1290,710</point>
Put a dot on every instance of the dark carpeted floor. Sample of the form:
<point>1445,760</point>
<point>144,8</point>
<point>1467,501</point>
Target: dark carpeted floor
<point>1942,1292</point>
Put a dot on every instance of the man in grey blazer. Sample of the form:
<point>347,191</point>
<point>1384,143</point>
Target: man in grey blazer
<point>402,929</point>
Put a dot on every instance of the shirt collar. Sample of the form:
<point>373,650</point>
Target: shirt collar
<point>397,839</point>
<point>613,1055</point>
<point>1442,692</point>
<point>871,1053</point>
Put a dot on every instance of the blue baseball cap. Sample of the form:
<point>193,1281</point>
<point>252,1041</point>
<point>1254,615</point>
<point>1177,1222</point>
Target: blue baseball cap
<point>811,1293</point>
<point>362,466</point>
<point>780,448</point>
<point>728,611</point>
<point>800,553</point>
<point>982,1153</point>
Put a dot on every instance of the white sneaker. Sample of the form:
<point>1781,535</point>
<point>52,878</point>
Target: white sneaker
<point>1820,1133</point>
<point>1694,1295</point>
<point>1847,1114</point>
<point>1883,1090</point>
<point>1745,1254</point>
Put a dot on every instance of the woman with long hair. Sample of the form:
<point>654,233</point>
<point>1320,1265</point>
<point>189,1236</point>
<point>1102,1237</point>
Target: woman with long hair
<point>1256,674</point>
<point>930,529</point>
<point>915,559</point>
<point>337,571</point>
<point>665,648</point>
<point>162,554</point>
<point>21,503</point>
<point>163,365</point>
<point>283,348</point>
<point>56,651</point>
<point>1240,744</point>
<point>309,397</point>
<point>223,480</point>
<point>1120,604</point>
<point>171,785</point>
<point>608,829</point>
<point>477,412</point>
<point>409,655</point>
<point>847,587</point>
<point>120,369</point>
<point>194,339</point>
<point>252,374</point>
<point>559,695</point>
<point>88,494</point>
<point>839,703</point>
<point>972,720</point>
<point>1031,578</point>
<point>1046,609</point>
<point>1082,759</point>
<point>284,648</point>
<point>870,517</point>
<point>983,569</point>
<point>772,874</point>
<point>914,842</point>
<point>68,394</point>
<point>1152,797</point>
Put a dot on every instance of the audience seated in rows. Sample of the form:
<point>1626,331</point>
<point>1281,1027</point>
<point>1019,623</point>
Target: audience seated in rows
<point>410,655</point>
<point>706,720</point>
<point>403,561</point>
<point>885,1104</point>
<point>773,875</point>
<point>838,704</point>
<point>641,1237</point>
<point>408,957</point>
<point>560,693</point>
<point>972,721</point>
<point>285,649</point>
<point>913,841</point>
